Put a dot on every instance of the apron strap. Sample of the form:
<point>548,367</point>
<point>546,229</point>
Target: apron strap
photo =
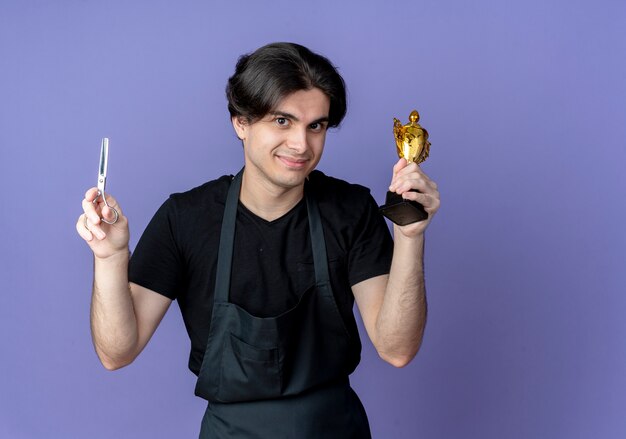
<point>320,258</point>
<point>227,241</point>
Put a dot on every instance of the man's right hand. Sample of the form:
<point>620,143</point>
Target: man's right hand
<point>104,239</point>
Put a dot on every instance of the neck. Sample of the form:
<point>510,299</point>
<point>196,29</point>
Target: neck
<point>266,200</point>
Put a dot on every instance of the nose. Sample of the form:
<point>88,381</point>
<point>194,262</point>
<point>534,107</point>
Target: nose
<point>297,140</point>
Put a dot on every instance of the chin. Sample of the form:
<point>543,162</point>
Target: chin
<point>290,183</point>
<point>296,178</point>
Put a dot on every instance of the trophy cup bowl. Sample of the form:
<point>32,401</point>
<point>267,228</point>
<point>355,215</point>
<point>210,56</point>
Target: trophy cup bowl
<point>413,146</point>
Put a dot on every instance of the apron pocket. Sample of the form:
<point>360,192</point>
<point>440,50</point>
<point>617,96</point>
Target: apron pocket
<point>248,372</point>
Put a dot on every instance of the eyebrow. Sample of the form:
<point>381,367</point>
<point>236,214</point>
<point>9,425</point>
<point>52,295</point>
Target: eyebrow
<point>292,117</point>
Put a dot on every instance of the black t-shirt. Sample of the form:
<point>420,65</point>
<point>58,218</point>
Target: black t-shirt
<point>272,262</point>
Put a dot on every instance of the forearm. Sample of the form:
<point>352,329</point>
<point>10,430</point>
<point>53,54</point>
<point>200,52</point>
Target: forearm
<point>113,322</point>
<point>402,317</point>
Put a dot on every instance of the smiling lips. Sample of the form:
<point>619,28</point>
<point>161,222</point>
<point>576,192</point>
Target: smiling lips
<point>292,162</point>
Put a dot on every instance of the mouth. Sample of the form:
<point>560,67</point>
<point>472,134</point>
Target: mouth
<point>293,162</point>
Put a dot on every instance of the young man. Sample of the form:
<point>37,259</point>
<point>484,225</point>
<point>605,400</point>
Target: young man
<point>266,265</point>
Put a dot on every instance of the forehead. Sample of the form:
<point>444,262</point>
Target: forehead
<point>303,104</point>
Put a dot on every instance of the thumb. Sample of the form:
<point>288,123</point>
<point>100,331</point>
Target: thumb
<point>111,211</point>
<point>400,165</point>
<point>110,215</point>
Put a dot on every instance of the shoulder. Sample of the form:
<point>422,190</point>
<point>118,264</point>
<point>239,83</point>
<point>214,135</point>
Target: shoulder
<point>348,200</point>
<point>327,188</point>
<point>327,185</point>
<point>208,195</point>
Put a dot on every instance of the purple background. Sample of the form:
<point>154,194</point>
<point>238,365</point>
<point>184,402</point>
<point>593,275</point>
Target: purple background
<point>525,103</point>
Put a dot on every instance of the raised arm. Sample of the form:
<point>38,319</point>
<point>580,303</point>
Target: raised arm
<point>123,315</point>
<point>393,307</point>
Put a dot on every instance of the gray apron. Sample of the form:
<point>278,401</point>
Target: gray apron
<point>284,376</point>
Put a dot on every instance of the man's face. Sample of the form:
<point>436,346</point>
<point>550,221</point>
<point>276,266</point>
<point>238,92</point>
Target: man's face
<point>284,146</point>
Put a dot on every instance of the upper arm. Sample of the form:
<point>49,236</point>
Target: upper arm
<point>369,295</point>
<point>149,307</point>
<point>155,265</point>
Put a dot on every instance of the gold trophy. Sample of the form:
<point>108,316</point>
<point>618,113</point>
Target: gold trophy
<point>413,146</point>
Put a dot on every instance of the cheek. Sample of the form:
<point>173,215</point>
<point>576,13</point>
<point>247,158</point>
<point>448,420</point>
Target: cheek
<point>317,143</point>
<point>319,148</point>
<point>268,139</point>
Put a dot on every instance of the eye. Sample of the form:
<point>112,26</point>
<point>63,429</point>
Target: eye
<point>316,127</point>
<point>282,121</point>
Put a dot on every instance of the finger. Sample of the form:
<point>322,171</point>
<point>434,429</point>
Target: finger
<point>415,168</point>
<point>414,173</point>
<point>112,202</point>
<point>410,170</point>
<point>426,178</point>
<point>110,215</point>
<point>400,164</point>
<point>430,203</point>
<point>412,182</point>
<point>82,230</point>
<point>95,229</point>
<point>91,194</point>
<point>92,210</point>
<point>87,230</point>
<point>397,169</point>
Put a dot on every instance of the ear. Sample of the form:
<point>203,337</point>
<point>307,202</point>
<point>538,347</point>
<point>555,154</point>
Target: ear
<point>241,126</point>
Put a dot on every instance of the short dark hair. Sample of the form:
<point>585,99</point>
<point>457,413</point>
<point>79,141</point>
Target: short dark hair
<point>272,72</point>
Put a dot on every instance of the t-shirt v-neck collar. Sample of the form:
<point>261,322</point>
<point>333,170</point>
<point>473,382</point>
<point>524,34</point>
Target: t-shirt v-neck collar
<point>243,209</point>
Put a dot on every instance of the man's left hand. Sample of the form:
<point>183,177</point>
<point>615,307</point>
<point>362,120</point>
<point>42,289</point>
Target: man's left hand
<point>407,179</point>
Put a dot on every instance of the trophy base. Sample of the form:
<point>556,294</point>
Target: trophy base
<point>401,211</point>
